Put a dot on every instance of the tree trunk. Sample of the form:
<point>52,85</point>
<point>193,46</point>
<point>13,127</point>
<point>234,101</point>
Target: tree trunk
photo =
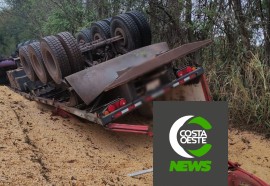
<point>267,33</point>
<point>241,19</point>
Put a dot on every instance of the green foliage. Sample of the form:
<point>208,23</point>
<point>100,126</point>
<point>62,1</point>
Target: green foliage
<point>244,84</point>
<point>67,17</point>
<point>56,22</point>
<point>11,31</point>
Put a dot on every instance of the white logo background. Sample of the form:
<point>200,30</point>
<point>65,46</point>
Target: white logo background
<point>173,136</point>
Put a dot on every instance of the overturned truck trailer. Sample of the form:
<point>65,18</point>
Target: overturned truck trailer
<point>110,90</point>
<point>110,71</point>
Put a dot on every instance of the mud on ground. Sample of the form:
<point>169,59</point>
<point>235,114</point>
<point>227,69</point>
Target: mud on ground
<point>37,148</point>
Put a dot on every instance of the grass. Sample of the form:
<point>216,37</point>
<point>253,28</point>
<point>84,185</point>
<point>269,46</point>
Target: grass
<point>244,83</point>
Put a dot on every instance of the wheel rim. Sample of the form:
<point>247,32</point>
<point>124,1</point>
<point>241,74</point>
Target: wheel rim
<point>120,32</point>
<point>25,64</point>
<point>97,36</point>
<point>36,65</point>
<point>81,40</point>
<point>51,63</point>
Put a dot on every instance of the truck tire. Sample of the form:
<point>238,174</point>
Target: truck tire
<point>107,21</point>
<point>29,42</point>
<point>100,30</point>
<point>72,50</point>
<point>17,48</point>
<point>125,26</point>
<point>55,58</point>
<point>38,63</point>
<point>26,63</point>
<point>19,45</point>
<point>143,26</point>
<point>84,36</point>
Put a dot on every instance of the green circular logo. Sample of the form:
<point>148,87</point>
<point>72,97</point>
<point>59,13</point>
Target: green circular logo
<point>190,136</point>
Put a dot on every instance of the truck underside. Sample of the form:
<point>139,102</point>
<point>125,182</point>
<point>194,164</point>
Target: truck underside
<point>134,79</point>
<point>115,86</point>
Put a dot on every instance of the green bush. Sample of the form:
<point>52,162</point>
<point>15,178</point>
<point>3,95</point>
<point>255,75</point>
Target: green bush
<point>244,83</point>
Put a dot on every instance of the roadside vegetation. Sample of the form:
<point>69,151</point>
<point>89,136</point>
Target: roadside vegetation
<point>237,63</point>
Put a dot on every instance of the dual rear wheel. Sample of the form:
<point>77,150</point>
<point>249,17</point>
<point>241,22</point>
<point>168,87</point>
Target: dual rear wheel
<point>55,57</point>
<point>132,26</point>
<point>26,63</point>
<point>37,62</point>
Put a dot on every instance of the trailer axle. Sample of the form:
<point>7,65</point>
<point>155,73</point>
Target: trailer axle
<point>99,43</point>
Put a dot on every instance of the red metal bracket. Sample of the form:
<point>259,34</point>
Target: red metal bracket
<point>62,113</point>
<point>138,129</point>
<point>206,89</point>
<point>238,176</point>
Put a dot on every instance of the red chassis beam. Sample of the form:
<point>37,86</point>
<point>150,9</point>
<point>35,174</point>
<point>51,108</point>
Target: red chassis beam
<point>237,176</point>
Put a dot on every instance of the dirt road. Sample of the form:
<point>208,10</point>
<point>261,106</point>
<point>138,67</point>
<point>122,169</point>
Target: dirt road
<point>251,151</point>
<point>39,149</point>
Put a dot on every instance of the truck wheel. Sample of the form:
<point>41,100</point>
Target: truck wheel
<point>143,26</point>
<point>55,58</point>
<point>26,64</point>
<point>17,48</point>
<point>72,50</point>
<point>84,36</point>
<point>108,21</point>
<point>19,45</point>
<point>38,63</point>
<point>27,42</point>
<point>124,26</point>
<point>100,30</point>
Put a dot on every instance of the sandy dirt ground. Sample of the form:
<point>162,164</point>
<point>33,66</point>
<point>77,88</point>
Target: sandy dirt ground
<point>251,151</point>
<point>37,148</point>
